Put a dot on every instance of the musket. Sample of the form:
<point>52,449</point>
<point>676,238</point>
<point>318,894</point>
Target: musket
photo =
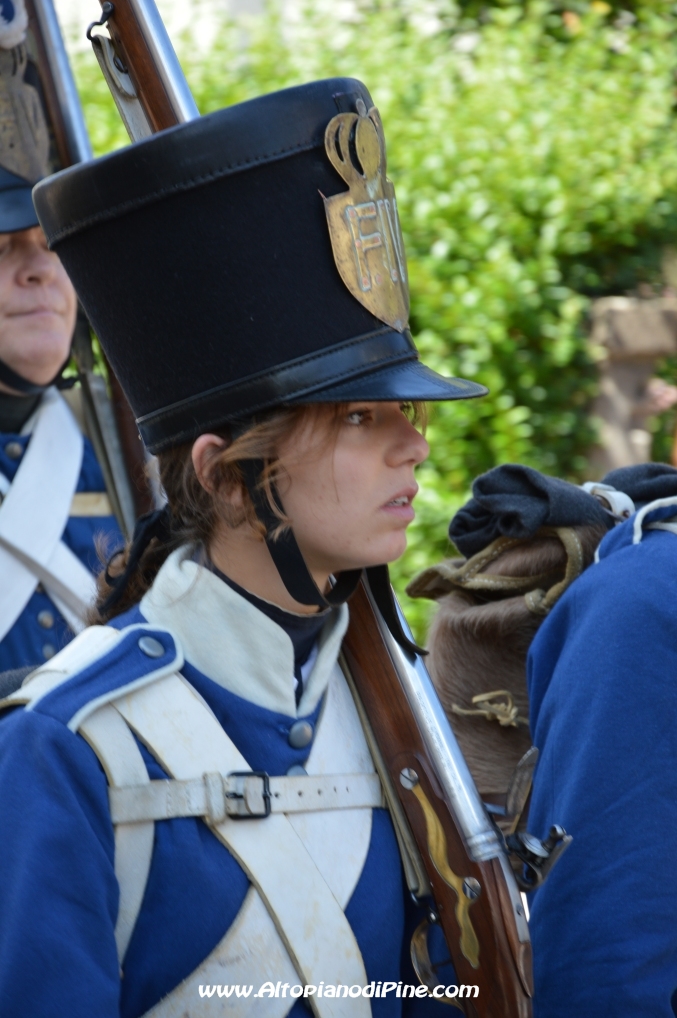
<point>109,419</point>
<point>455,858</point>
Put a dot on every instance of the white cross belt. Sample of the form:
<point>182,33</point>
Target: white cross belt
<point>33,516</point>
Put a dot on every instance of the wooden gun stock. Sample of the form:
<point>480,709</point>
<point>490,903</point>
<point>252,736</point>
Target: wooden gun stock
<point>477,902</point>
<point>481,930</point>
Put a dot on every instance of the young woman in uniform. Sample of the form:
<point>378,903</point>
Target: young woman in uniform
<point>245,274</point>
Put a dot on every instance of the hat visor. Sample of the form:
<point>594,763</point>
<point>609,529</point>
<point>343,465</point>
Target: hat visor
<point>404,382</point>
<point>16,210</point>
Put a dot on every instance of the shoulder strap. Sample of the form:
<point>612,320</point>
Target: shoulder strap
<point>252,948</point>
<point>171,718</point>
<point>80,652</point>
<point>98,666</point>
<point>33,516</point>
<point>121,759</point>
<point>186,738</point>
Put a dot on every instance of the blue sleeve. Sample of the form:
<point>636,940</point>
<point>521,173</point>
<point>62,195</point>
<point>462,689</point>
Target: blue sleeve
<point>603,691</point>
<point>58,893</point>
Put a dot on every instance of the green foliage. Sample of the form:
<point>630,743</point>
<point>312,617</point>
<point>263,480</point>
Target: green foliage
<point>534,153</point>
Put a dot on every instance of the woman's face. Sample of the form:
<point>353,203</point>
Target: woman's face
<point>350,500</point>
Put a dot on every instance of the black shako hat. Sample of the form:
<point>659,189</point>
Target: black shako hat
<point>243,260</point>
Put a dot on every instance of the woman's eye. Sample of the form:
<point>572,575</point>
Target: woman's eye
<point>357,417</point>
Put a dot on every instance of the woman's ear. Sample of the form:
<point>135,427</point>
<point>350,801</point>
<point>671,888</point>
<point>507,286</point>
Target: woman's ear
<point>205,449</point>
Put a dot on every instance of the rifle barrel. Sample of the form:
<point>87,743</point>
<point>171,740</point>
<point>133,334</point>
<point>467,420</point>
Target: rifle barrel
<point>53,52</point>
<point>154,45</point>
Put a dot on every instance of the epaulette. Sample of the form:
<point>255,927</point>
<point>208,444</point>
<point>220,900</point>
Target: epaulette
<point>99,665</point>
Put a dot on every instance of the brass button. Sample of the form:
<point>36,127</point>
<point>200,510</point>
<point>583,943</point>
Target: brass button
<point>49,650</point>
<point>45,619</point>
<point>14,450</point>
<point>300,734</point>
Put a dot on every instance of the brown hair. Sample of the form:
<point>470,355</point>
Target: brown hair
<point>196,512</point>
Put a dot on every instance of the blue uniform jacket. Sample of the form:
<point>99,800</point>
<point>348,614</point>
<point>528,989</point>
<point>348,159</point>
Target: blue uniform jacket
<point>603,688</point>
<point>30,642</point>
<point>59,895</point>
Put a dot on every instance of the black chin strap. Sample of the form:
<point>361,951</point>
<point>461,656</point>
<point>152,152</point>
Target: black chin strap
<point>20,384</point>
<point>294,572</point>
<point>286,553</point>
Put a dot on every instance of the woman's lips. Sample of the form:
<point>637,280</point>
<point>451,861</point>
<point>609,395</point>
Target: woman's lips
<point>400,505</point>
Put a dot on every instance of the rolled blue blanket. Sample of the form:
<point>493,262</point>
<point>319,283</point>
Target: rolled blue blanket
<point>516,501</point>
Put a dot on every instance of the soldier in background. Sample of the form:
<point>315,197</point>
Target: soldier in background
<point>53,503</point>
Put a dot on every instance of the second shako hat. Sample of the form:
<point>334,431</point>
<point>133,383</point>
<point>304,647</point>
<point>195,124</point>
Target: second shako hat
<point>244,260</point>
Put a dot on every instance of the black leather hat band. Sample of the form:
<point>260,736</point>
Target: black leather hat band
<point>227,142</point>
<point>185,420</point>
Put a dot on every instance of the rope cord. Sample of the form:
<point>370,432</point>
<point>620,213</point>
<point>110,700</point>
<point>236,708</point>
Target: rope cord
<point>506,713</point>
